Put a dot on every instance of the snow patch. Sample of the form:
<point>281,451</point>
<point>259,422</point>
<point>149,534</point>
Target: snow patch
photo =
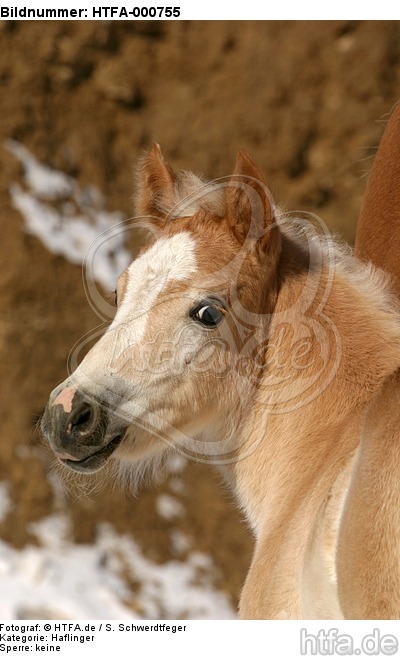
<point>68,219</point>
<point>177,485</point>
<point>5,500</point>
<point>59,579</point>
<point>176,463</point>
<point>44,182</point>
<point>180,542</point>
<point>169,508</point>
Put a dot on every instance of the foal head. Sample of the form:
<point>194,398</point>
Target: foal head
<point>169,369</point>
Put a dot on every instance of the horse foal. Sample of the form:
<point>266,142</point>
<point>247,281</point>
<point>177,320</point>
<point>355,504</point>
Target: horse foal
<point>250,339</point>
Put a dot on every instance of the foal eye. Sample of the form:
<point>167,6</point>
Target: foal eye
<point>207,314</point>
<point>115,298</point>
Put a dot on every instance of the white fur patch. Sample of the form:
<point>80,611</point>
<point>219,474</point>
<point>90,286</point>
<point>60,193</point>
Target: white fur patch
<point>168,259</point>
<point>193,194</point>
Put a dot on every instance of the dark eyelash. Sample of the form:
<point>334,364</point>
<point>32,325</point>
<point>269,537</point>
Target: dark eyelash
<point>112,297</point>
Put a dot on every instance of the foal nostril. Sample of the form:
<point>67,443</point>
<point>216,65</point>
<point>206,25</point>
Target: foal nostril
<point>82,417</point>
<point>76,425</point>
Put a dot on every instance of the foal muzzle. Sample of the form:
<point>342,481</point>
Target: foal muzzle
<point>76,427</point>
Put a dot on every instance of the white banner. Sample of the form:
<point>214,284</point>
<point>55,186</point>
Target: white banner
<point>204,10</point>
<point>274,638</point>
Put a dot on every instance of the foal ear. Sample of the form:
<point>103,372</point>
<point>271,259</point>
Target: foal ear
<point>249,204</point>
<point>155,195</point>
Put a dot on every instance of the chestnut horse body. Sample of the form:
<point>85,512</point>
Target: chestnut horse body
<point>250,339</point>
<point>369,546</point>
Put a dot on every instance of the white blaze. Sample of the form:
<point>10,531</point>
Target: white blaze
<point>169,259</point>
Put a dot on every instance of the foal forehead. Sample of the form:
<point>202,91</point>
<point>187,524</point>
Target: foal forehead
<point>169,258</point>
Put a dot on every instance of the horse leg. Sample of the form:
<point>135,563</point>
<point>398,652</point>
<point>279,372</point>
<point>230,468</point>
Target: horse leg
<point>368,556</point>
